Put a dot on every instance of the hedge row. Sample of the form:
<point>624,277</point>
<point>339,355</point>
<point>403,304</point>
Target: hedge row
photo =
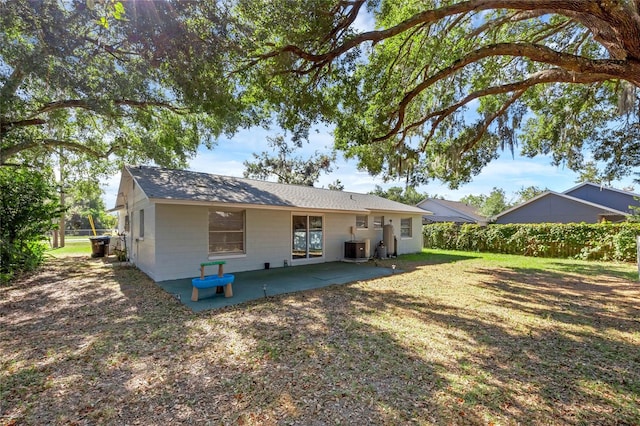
<point>602,241</point>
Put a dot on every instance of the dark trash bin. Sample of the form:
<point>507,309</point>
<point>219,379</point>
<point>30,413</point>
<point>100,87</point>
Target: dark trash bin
<point>99,245</point>
<point>381,252</point>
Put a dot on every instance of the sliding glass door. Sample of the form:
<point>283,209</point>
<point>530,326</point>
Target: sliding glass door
<point>307,237</point>
<point>300,232</point>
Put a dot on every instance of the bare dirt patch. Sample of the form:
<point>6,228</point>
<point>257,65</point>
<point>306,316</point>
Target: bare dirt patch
<point>464,341</point>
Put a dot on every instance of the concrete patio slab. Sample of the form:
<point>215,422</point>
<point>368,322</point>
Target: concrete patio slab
<point>254,285</point>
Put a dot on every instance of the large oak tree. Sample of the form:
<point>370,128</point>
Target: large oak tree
<point>439,87</point>
<point>110,80</point>
<point>88,85</point>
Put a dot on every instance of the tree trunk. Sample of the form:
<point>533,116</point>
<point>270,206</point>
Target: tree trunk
<point>62,179</point>
<point>62,223</point>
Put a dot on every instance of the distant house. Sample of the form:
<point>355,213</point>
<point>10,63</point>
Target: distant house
<point>587,202</point>
<point>450,211</point>
<point>175,219</point>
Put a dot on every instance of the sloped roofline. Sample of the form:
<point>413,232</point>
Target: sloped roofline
<point>462,213</point>
<point>363,210</point>
<point>120,202</point>
<point>601,187</point>
<point>563,195</point>
<point>470,215</point>
<point>435,218</point>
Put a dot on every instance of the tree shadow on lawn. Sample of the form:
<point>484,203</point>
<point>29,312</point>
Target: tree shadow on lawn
<point>581,332</point>
<point>91,344</point>
<point>85,343</point>
<point>315,356</point>
<point>495,368</point>
<point>598,268</point>
<point>109,346</point>
<point>602,302</point>
<point>77,336</point>
<point>410,262</point>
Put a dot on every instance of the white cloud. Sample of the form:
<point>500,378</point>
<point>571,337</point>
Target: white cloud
<point>210,163</point>
<point>365,21</point>
<point>110,187</point>
<point>353,179</point>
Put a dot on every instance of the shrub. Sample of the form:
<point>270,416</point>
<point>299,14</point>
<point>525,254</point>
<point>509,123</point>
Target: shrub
<point>602,241</point>
<point>27,208</point>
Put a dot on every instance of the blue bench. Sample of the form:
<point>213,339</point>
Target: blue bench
<point>219,281</point>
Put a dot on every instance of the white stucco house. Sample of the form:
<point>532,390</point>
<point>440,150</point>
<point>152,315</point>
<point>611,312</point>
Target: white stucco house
<point>175,219</point>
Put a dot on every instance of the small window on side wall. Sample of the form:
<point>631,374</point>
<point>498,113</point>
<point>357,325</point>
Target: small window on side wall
<point>362,222</point>
<point>126,223</point>
<point>378,222</point>
<point>405,228</point>
<point>141,224</point>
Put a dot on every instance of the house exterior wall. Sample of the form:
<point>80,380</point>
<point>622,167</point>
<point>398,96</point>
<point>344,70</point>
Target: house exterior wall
<point>375,235</point>
<point>181,240</point>
<point>140,250</point>
<point>552,209</point>
<point>605,197</point>
<point>143,248</point>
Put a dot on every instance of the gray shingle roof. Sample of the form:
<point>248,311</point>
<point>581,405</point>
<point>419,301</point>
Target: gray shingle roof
<point>464,208</point>
<point>545,194</point>
<point>445,219</point>
<point>168,184</point>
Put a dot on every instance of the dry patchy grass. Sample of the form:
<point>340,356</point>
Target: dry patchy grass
<point>457,339</point>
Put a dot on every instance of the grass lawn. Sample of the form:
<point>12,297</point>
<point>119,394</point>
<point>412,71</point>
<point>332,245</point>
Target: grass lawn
<point>73,246</point>
<point>458,338</point>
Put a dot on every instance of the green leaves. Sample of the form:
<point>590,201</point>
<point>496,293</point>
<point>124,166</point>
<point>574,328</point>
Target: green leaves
<point>142,85</point>
<point>408,195</point>
<point>489,205</point>
<point>603,241</point>
<point>109,8</point>
<point>118,10</point>
<point>442,86</point>
<point>27,208</point>
<point>437,90</point>
<point>284,167</point>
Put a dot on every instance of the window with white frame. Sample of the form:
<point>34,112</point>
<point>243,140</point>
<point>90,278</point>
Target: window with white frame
<point>308,238</point>
<point>405,227</point>
<point>226,231</point>
<point>362,221</point>
<point>378,222</point>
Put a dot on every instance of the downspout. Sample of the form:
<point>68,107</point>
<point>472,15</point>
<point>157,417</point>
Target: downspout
<point>134,255</point>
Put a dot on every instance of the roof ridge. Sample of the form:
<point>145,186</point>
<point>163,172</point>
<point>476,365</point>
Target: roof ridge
<point>255,180</point>
<point>163,183</point>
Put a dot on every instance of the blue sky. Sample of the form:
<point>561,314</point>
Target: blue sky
<point>507,173</point>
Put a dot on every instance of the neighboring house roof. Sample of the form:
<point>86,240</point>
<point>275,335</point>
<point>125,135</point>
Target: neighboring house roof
<point>188,187</point>
<point>451,211</point>
<point>601,188</point>
<point>440,218</point>
<point>550,194</point>
<point>610,197</point>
